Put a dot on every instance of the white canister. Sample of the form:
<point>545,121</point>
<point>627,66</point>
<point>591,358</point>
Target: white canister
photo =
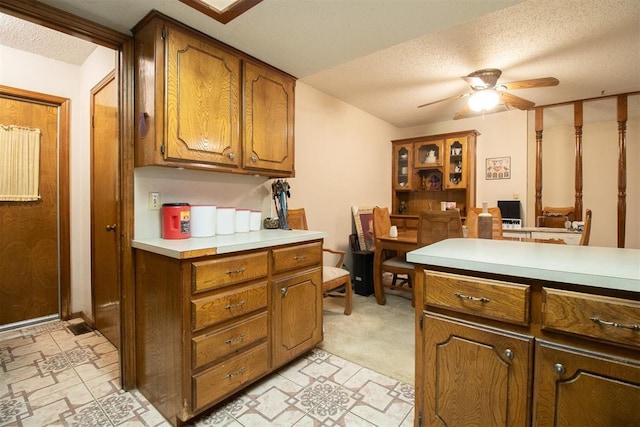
<point>243,220</point>
<point>255,221</point>
<point>203,220</point>
<point>225,220</point>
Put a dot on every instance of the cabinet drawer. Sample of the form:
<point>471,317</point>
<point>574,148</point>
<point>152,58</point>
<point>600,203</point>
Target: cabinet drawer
<point>296,256</point>
<point>226,377</point>
<point>610,319</point>
<point>227,305</point>
<point>508,302</point>
<point>217,344</point>
<point>215,273</point>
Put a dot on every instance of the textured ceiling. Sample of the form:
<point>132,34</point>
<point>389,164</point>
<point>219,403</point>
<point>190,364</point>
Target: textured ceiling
<point>386,57</point>
<point>22,35</point>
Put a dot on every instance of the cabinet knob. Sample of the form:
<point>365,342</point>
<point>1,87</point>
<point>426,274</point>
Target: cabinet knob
<point>232,156</point>
<point>254,158</point>
<point>284,291</point>
<point>508,353</point>
<point>559,369</point>
<point>111,227</point>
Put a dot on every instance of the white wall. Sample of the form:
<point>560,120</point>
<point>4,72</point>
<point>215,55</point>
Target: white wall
<point>195,188</point>
<point>36,73</point>
<point>343,159</point>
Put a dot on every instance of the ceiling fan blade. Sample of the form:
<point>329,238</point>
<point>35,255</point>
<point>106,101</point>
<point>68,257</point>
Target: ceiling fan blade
<point>444,99</point>
<point>463,113</point>
<point>531,83</point>
<point>516,101</point>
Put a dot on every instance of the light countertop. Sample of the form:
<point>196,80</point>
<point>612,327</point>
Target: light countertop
<point>204,246</point>
<point>541,230</point>
<point>610,268</point>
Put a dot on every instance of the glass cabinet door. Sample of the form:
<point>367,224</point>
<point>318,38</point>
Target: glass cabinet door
<point>403,171</point>
<point>428,154</point>
<point>456,169</point>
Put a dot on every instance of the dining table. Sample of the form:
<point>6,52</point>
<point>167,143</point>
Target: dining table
<point>406,241</point>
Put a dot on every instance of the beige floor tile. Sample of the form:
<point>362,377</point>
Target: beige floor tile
<point>49,376</point>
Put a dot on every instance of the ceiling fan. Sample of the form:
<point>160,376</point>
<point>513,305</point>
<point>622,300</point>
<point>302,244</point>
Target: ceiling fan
<point>487,92</point>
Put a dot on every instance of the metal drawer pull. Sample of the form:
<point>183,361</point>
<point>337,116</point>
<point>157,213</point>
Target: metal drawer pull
<point>470,298</point>
<point>232,306</point>
<point>614,324</point>
<point>235,340</point>
<point>236,271</point>
<point>299,257</point>
<point>236,373</point>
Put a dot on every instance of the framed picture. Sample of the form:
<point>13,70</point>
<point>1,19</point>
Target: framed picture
<point>498,168</point>
<point>363,218</point>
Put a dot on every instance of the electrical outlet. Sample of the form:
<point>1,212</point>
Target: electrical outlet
<point>154,201</point>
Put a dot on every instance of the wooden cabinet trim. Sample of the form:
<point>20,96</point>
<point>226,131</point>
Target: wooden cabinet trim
<point>493,299</point>
<point>223,306</point>
<point>604,318</point>
<point>209,347</point>
<point>226,378</point>
<point>579,387</point>
<point>293,257</point>
<point>219,272</point>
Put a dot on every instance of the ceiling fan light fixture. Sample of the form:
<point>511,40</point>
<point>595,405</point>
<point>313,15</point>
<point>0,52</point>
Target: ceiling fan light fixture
<point>484,100</point>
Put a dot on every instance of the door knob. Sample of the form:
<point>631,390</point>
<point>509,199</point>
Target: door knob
<point>111,227</point>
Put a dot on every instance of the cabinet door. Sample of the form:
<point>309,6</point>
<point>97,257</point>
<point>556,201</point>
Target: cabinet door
<point>579,388</point>
<point>428,153</point>
<point>269,119</point>
<point>474,375</point>
<point>456,167</point>
<point>297,314</point>
<point>203,104</point>
<point>402,166</point>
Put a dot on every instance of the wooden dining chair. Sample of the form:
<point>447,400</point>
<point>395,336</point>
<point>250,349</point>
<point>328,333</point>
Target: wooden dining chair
<point>434,226</point>
<point>333,277</point>
<point>586,230</point>
<point>555,217</point>
<point>472,222</point>
<point>392,263</point>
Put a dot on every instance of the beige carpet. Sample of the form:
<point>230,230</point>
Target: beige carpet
<point>378,337</point>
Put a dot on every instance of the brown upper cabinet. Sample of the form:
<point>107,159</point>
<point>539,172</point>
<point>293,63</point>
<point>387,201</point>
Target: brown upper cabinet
<point>268,119</point>
<point>191,93</point>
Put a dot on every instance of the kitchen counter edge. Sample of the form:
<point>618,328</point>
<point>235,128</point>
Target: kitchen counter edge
<point>603,267</point>
<point>223,244</point>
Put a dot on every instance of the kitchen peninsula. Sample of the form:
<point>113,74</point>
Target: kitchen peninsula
<point>215,314</point>
<point>513,333</point>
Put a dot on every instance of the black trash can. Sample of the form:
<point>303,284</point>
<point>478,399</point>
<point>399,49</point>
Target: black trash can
<point>363,272</point>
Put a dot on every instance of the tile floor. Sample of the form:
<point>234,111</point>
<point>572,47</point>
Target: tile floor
<point>51,377</point>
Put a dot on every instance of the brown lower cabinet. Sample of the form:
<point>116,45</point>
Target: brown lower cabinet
<point>207,327</point>
<point>506,351</point>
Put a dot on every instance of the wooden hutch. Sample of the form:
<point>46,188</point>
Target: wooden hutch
<point>431,169</point>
